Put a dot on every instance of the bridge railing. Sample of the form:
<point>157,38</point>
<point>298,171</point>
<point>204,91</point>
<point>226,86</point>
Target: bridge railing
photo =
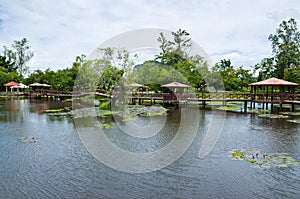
<point>205,95</point>
<point>275,97</point>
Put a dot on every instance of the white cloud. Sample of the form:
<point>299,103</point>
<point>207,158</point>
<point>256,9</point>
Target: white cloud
<point>60,30</point>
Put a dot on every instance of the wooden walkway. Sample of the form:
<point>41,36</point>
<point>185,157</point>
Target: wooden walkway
<point>61,95</point>
<point>168,99</point>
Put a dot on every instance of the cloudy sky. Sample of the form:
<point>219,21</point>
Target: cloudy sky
<point>58,31</point>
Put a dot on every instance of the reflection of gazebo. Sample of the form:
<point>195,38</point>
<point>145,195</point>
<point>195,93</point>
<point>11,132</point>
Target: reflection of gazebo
<point>37,85</point>
<point>11,84</point>
<point>283,91</point>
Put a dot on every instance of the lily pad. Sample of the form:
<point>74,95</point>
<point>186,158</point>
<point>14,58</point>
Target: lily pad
<point>236,154</point>
<point>263,160</point>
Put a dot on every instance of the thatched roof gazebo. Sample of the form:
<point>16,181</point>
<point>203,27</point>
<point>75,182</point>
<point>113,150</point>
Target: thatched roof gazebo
<point>11,84</point>
<point>176,96</point>
<point>273,97</point>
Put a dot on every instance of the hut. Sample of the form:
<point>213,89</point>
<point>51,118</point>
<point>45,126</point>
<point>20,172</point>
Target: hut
<point>274,91</point>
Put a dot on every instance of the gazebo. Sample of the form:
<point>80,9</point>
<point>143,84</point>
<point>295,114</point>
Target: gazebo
<point>37,85</point>
<point>284,90</point>
<point>173,86</point>
<point>11,84</point>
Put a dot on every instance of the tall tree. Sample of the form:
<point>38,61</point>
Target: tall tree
<point>20,54</point>
<point>176,54</point>
<point>176,49</point>
<point>285,46</point>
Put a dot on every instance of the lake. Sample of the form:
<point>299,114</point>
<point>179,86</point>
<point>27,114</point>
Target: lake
<point>59,165</point>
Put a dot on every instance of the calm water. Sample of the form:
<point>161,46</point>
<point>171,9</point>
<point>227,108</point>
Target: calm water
<point>59,166</point>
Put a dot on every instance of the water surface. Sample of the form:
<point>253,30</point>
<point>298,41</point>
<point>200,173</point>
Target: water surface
<point>58,165</point>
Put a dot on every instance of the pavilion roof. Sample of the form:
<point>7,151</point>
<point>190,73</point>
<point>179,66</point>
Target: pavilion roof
<point>176,85</point>
<point>274,82</point>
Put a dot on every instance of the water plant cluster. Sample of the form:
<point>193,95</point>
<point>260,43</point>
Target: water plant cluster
<point>260,159</point>
<point>29,139</point>
<point>126,114</point>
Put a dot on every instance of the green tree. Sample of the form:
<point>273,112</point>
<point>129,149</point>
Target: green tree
<point>6,76</point>
<point>265,69</point>
<point>174,50</point>
<point>233,79</point>
<point>176,54</point>
<point>20,55</point>
<point>285,47</point>
<point>292,74</point>
<point>6,63</point>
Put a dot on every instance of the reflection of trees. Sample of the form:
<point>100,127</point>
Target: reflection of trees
<point>15,110</point>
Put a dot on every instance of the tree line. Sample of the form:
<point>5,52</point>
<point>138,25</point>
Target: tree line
<point>173,63</point>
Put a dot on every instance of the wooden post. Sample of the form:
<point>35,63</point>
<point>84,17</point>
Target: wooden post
<point>254,96</point>
<point>267,97</point>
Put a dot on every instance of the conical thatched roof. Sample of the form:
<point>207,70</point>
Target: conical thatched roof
<point>274,82</point>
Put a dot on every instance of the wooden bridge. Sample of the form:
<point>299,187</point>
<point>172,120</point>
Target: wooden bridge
<point>59,95</point>
<point>184,98</point>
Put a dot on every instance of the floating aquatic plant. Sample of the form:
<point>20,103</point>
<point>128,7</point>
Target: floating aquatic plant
<point>256,111</point>
<point>294,121</point>
<point>238,155</point>
<point>106,126</point>
<point>290,113</point>
<point>29,139</point>
<point>259,159</point>
<point>229,108</point>
<point>273,116</point>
